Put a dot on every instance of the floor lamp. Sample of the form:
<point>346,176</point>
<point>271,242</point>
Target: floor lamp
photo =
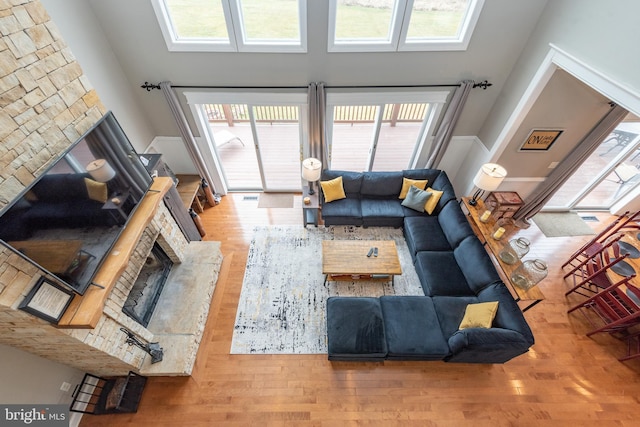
<point>488,178</point>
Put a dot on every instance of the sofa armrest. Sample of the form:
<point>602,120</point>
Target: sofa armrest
<point>480,345</point>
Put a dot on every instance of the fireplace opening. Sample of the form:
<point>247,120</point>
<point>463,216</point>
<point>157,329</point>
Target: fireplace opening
<point>146,290</point>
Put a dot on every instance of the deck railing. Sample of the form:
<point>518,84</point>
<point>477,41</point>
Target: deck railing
<point>393,113</point>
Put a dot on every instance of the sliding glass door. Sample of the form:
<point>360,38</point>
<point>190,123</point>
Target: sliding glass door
<point>379,131</point>
<point>256,145</point>
<point>255,141</point>
<point>607,175</point>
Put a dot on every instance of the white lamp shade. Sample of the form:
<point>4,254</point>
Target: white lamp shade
<point>100,170</point>
<point>311,169</point>
<point>489,177</point>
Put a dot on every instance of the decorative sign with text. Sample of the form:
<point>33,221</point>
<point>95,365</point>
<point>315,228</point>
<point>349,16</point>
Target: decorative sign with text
<point>540,139</point>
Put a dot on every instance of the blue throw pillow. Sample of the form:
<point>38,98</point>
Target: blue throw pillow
<point>416,199</point>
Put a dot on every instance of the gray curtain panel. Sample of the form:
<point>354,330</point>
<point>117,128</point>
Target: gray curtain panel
<point>317,131</point>
<point>536,201</point>
<point>448,124</point>
<point>187,137</point>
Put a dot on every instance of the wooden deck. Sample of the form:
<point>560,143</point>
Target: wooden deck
<point>281,156</point>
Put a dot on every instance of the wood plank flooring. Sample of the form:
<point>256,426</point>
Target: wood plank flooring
<point>565,379</point>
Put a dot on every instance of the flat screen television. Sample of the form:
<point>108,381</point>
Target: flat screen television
<point>68,219</point>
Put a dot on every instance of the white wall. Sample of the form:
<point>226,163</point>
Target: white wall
<point>83,34</point>
<point>26,378</point>
<point>133,32</point>
<point>600,34</point>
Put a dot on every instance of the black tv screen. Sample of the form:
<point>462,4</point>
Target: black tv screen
<point>69,218</point>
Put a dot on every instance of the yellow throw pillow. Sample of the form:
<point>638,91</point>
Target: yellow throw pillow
<point>96,190</point>
<point>406,183</point>
<point>479,315</point>
<point>333,190</point>
<point>433,200</point>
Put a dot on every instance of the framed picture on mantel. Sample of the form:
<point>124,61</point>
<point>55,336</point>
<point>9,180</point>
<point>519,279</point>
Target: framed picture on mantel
<point>47,300</point>
<point>540,139</point>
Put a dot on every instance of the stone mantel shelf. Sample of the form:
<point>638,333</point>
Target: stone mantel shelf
<point>85,311</point>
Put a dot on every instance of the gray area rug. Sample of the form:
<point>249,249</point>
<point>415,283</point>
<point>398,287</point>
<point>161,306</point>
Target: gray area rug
<point>560,224</point>
<point>282,307</point>
<point>275,200</point>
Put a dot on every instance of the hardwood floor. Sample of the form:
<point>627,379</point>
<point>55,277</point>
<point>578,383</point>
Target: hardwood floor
<point>565,379</point>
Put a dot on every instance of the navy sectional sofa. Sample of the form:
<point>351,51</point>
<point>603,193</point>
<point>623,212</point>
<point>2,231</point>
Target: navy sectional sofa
<point>454,270</point>
<point>58,201</point>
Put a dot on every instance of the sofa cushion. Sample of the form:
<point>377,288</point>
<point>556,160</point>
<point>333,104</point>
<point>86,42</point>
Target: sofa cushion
<point>509,316</point>
<point>432,203</point>
<point>61,188</point>
<point>412,329</point>
<point>450,311</point>
<point>96,190</point>
<point>428,174</point>
<point>440,274</point>
<point>416,199</point>
<point>333,190</point>
<point>381,185</point>
<point>351,181</point>
<point>423,233</point>
<point>355,329</point>
<point>382,213</point>
<point>407,183</point>
<point>342,212</point>
<point>479,315</point>
<point>454,224</point>
<point>475,264</point>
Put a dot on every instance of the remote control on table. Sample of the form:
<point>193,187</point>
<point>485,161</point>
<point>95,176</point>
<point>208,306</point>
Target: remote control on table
<point>370,252</point>
<point>375,251</point>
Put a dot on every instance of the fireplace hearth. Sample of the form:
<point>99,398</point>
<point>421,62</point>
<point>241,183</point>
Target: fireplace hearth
<point>141,301</point>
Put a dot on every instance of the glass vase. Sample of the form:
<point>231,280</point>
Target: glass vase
<point>515,250</point>
<point>529,274</point>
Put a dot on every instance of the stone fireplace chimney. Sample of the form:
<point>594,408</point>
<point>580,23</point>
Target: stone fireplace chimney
<point>47,104</point>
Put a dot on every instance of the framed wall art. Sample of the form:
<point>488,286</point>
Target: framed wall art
<point>540,139</point>
<point>47,300</point>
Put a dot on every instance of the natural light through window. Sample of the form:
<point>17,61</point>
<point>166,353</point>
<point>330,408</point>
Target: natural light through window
<point>396,25</point>
<point>355,20</point>
<point>233,25</point>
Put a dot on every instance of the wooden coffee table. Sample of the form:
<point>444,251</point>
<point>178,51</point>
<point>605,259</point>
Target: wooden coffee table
<point>347,260</point>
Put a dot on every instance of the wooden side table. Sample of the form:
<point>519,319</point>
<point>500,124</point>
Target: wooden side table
<point>484,230</point>
<point>310,212</point>
<point>189,187</point>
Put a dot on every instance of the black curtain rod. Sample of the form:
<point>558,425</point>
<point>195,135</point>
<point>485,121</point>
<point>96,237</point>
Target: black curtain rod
<point>483,84</point>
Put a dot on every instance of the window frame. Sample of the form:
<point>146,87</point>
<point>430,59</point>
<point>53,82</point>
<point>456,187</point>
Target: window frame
<point>399,29</point>
<point>237,41</point>
<point>345,97</point>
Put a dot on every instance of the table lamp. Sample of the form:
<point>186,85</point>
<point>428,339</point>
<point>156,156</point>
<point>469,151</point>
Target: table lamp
<point>488,178</point>
<point>100,170</point>
<point>311,171</point>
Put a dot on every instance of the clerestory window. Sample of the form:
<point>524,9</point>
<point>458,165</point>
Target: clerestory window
<point>233,25</point>
<point>401,25</point>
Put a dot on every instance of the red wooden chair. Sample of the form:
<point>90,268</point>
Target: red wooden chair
<point>620,224</point>
<point>595,244</point>
<point>591,274</point>
<point>615,310</point>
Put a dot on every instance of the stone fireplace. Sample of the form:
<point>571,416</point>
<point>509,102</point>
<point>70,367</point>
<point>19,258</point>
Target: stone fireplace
<point>143,298</point>
<point>46,105</point>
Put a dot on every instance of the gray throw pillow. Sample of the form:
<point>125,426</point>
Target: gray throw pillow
<point>416,199</point>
